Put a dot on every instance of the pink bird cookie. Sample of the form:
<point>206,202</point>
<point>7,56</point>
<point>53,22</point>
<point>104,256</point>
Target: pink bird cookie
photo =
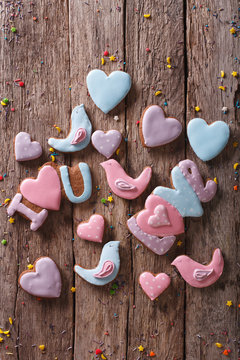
<point>154,285</point>
<point>198,275</point>
<point>123,185</point>
<point>92,229</point>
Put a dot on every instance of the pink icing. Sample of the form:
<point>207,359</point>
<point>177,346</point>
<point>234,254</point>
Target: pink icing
<point>93,229</point>
<point>107,269</point>
<point>154,285</point>
<point>25,149</point>
<point>199,275</point>
<point>79,136</point>
<point>115,173</point>
<point>44,281</point>
<point>124,185</point>
<point>154,243</point>
<point>45,191</point>
<point>160,218</point>
<point>157,129</point>
<point>106,143</point>
<point>176,221</point>
<point>192,175</point>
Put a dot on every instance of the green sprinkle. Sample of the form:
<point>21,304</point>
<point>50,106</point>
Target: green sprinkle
<point>4,242</point>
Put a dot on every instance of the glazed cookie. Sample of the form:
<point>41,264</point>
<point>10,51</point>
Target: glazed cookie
<point>25,149</point>
<point>108,91</point>
<point>106,142</point>
<point>123,185</point>
<point>108,266</point>
<point>154,284</point>
<point>79,135</point>
<point>43,281</point>
<point>198,275</point>
<point>207,141</point>
<point>92,229</point>
<point>35,196</point>
<point>162,218</point>
<point>155,129</point>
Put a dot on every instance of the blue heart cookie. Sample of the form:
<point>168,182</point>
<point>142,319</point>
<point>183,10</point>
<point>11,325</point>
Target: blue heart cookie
<point>108,91</point>
<point>207,141</point>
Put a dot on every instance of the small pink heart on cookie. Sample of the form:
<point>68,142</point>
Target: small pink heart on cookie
<point>154,285</point>
<point>92,229</point>
<point>160,217</point>
<point>25,149</point>
<point>45,191</point>
<point>156,129</point>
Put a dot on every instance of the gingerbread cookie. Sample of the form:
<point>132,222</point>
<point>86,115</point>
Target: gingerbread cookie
<point>123,185</point>
<point>106,142</point>
<point>155,129</point>
<point>25,149</point>
<point>43,281</point>
<point>162,218</point>
<point>198,275</point>
<point>79,135</point>
<point>35,196</point>
<point>107,269</point>
<point>154,284</point>
<point>92,229</point>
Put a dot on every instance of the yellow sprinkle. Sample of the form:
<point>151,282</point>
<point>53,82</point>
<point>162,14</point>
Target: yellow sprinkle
<point>8,335</point>
<point>147,16</point>
<point>73,289</point>
<point>197,108</point>
<point>10,320</point>
<point>169,66</point>
<point>234,74</point>
<point>58,128</point>
<point>222,74</point>
<point>6,332</point>
<point>215,180</point>
<point>1,331</point>
<point>3,103</point>
<point>232,31</point>
<point>103,357</point>
<point>103,61</point>
<point>11,220</point>
<point>117,151</point>
<point>219,345</point>
<point>235,166</point>
<point>7,200</point>
<point>168,60</point>
<point>158,93</point>
<point>53,158</point>
<point>179,243</point>
<point>235,144</point>
<point>112,58</point>
<point>110,199</point>
<point>1,339</point>
<point>41,347</point>
<point>222,88</point>
<point>30,267</point>
<point>51,149</point>
<point>229,303</point>
<point>141,348</point>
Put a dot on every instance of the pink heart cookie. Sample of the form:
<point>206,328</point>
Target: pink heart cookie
<point>154,285</point>
<point>106,143</point>
<point>156,129</point>
<point>174,224</point>
<point>25,149</point>
<point>45,191</point>
<point>43,281</point>
<point>92,229</point>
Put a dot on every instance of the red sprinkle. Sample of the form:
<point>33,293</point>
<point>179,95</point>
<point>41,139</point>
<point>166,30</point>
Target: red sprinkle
<point>106,53</point>
<point>21,83</point>
<point>98,351</point>
<point>12,109</point>
<point>1,178</point>
<point>148,50</point>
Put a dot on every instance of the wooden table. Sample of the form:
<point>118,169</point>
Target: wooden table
<point>54,48</point>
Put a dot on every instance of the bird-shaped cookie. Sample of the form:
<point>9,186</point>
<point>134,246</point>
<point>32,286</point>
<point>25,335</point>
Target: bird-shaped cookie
<point>199,275</point>
<point>107,268</point>
<point>123,185</point>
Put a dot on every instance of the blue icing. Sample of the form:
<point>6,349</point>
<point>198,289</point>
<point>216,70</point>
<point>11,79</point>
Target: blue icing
<point>87,180</point>
<point>108,91</point>
<point>79,119</point>
<point>182,197</point>
<point>110,252</point>
<point>206,140</point>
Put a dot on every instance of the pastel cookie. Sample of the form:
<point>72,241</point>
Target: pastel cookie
<point>207,141</point>
<point>25,149</point>
<point>106,142</point>
<point>79,135</point>
<point>108,91</point>
<point>154,285</point>
<point>198,275</point>
<point>107,268</point>
<point>92,229</point>
<point>123,185</point>
<point>43,281</point>
<point>155,129</point>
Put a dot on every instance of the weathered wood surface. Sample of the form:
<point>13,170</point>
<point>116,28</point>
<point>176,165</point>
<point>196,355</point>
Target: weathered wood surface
<point>70,43</point>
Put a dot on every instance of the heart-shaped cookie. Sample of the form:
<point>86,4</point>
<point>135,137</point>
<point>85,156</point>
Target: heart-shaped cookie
<point>156,129</point>
<point>92,229</point>
<point>108,91</point>
<point>45,191</point>
<point>207,141</point>
<point>175,224</point>
<point>25,149</point>
<point>44,280</point>
<point>154,285</point>
<point>106,143</point>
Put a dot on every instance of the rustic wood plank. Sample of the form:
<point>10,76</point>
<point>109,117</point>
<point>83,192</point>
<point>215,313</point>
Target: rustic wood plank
<point>163,34</point>
<point>210,49</point>
<point>92,27</point>
<point>43,102</point>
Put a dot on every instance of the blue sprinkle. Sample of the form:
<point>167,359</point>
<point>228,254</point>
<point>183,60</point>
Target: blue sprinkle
<point>165,103</point>
<point>126,139</point>
<point>4,175</point>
